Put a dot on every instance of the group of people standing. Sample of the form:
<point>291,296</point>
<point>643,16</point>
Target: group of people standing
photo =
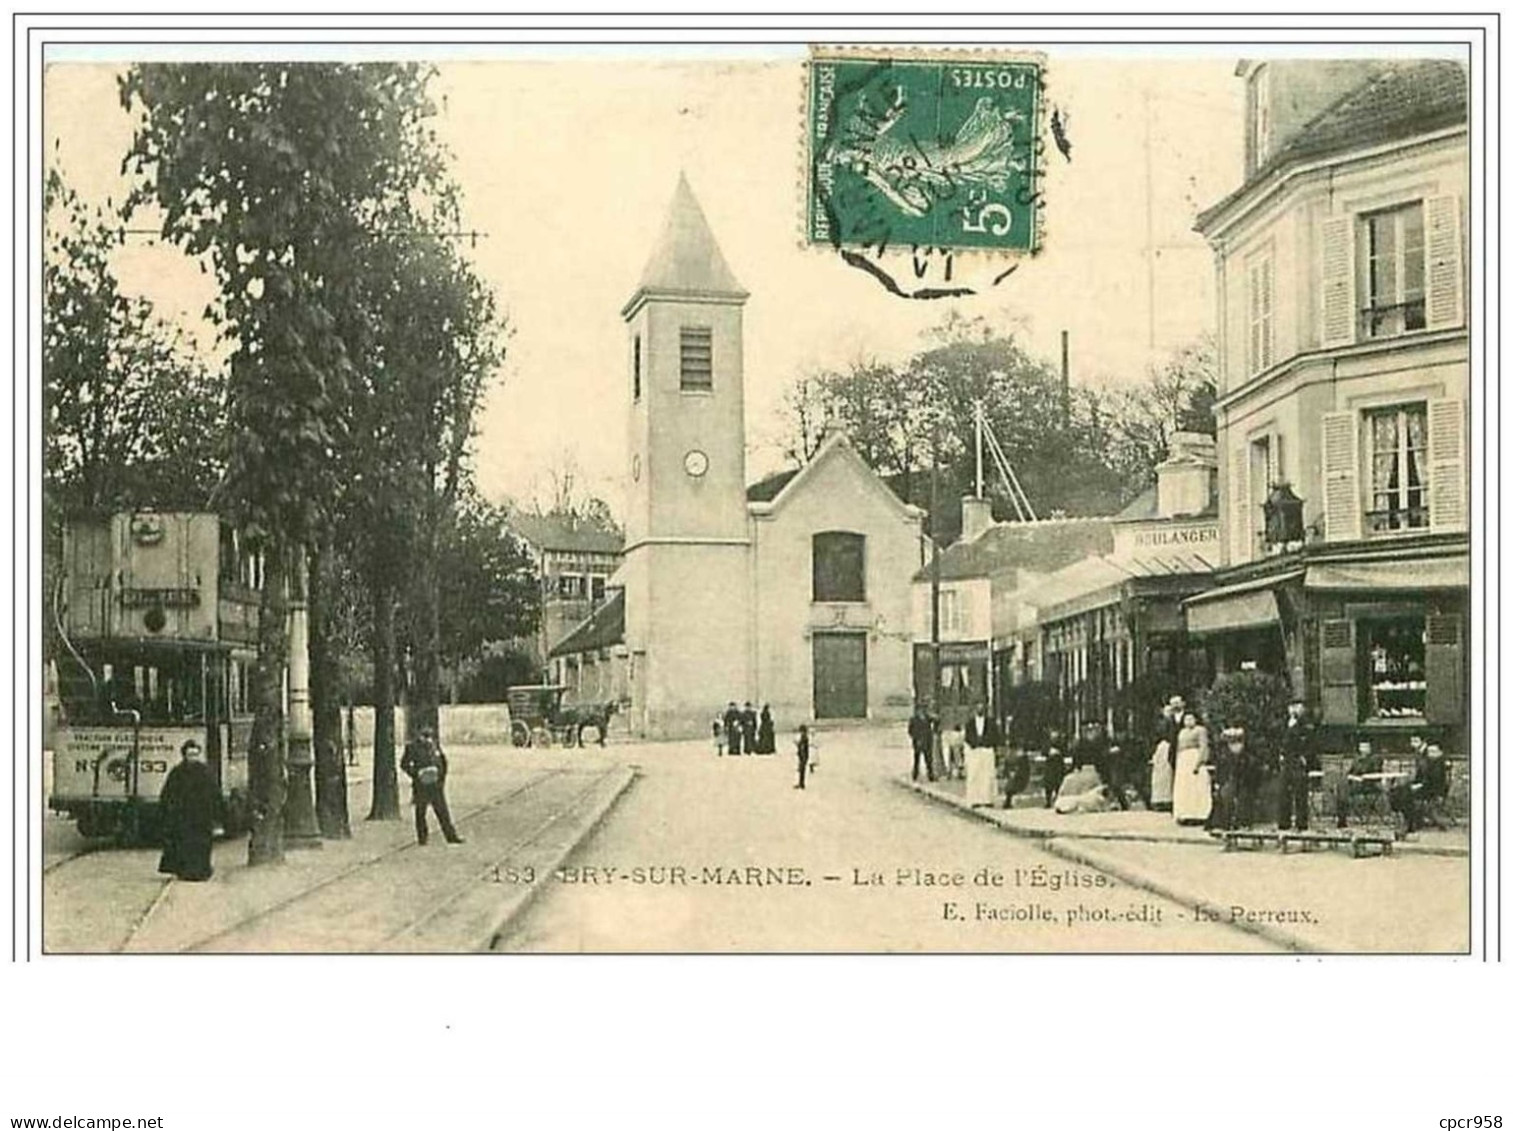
<point>1221,787</point>
<point>740,730</point>
<point>966,750</point>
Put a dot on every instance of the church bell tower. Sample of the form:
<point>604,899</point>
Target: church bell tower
<point>687,544</point>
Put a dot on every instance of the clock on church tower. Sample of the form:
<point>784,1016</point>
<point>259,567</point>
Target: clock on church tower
<point>686,534</point>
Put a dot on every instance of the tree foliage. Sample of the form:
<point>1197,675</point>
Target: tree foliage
<point>132,417</point>
<point>281,177</point>
<point>1081,451</point>
<point>1177,396</point>
<point>491,589</point>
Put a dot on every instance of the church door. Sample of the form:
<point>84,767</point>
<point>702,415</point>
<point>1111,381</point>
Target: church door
<point>840,676</point>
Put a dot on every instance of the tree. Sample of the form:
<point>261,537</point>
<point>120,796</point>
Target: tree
<point>133,417</point>
<point>278,175</point>
<point>492,592</point>
<point>1178,396</point>
<point>897,415</point>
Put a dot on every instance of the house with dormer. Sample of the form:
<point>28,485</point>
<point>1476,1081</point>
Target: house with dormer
<point>1344,395</point>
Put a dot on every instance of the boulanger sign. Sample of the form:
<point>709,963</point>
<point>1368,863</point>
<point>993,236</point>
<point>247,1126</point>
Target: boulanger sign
<point>1167,537</point>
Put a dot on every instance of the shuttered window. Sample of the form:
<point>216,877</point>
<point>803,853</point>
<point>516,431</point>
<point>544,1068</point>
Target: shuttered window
<point>1337,318</point>
<point>696,358</point>
<point>1261,345</point>
<point>1342,498</point>
<point>1447,465</point>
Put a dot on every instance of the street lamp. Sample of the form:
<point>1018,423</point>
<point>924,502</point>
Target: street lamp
<point>301,829</point>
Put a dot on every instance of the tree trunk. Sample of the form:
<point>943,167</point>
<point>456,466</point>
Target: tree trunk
<point>268,775</point>
<point>424,706</point>
<point>385,805</point>
<point>325,707</point>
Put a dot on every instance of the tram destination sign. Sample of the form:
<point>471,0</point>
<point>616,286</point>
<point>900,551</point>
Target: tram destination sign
<point>166,598</point>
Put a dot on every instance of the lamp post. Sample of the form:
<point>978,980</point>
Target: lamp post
<point>301,830</point>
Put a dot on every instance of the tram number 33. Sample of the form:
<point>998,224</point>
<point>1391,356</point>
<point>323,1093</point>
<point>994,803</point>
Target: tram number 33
<point>145,765</point>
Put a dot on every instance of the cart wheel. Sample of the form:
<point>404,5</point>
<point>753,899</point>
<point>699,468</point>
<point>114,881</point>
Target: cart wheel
<point>541,736</point>
<point>520,734</point>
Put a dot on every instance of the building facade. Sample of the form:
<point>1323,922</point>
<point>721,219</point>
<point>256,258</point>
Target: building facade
<point>574,558</point>
<point>981,578</point>
<point>1344,395</point>
<point>1109,630</point>
<point>793,592</point>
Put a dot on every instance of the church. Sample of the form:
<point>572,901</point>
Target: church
<point>794,591</point>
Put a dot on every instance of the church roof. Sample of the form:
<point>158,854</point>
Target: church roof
<point>686,259</point>
<point>767,495</point>
<point>768,488</point>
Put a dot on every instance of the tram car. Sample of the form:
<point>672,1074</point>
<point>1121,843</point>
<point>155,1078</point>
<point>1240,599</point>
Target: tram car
<point>156,617</point>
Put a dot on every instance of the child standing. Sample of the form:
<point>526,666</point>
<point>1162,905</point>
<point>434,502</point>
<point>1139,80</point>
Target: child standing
<point>719,738</point>
<point>801,748</point>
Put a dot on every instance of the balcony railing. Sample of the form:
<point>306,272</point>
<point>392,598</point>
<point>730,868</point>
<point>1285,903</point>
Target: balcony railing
<point>1388,321</point>
<point>1401,518</point>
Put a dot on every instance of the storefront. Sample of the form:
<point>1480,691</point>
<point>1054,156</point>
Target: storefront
<point>1114,643</point>
<point>1376,642</point>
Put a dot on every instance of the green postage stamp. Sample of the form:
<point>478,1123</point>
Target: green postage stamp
<point>913,150</point>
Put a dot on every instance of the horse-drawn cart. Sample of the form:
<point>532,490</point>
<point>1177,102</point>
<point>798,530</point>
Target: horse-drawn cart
<point>538,718</point>
<point>533,710</point>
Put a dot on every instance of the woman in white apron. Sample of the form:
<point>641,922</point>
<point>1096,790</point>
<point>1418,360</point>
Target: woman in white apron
<point>983,740</point>
<point>1192,797</point>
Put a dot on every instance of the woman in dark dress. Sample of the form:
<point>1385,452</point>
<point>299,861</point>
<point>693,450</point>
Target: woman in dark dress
<point>766,740</point>
<point>188,808</point>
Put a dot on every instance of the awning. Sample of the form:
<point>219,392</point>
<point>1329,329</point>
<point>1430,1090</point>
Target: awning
<point>1088,583</point>
<point>1402,574</point>
<point>1255,609</point>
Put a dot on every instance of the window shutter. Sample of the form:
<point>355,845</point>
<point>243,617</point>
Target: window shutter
<point>1338,704</point>
<point>1447,465</point>
<point>1337,326</point>
<point>1342,496</point>
<point>1239,494</point>
<point>1444,669</point>
<point>1442,274</point>
<point>1268,321</point>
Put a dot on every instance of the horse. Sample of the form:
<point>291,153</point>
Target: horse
<point>576,719</point>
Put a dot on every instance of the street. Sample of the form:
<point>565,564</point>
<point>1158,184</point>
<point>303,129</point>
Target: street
<point>666,847</point>
<point>712,854</point>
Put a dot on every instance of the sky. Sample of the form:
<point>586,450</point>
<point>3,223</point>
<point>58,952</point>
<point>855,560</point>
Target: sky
<point>567,167</point>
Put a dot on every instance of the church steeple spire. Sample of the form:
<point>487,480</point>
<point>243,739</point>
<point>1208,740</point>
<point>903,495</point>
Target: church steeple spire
<point>686,261</point>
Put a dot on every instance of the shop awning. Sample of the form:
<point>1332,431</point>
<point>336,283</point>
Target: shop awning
<point>1254,609</point>
<point>1246,604</point>
<point>1403,574</point>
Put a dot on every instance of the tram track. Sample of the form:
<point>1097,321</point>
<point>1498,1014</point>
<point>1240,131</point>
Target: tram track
<point>484,874</point>
<point>241,925</point>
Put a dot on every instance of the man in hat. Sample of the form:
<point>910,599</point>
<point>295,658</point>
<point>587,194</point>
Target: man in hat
<point>921,737</point>
<point>426,766</point>
<point>1296,762</point>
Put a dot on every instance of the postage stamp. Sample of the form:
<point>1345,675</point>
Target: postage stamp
<point>937,152</point>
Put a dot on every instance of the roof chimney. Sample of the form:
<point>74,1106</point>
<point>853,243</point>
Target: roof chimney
<point>1185,479</point>
<point>976,517</point>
